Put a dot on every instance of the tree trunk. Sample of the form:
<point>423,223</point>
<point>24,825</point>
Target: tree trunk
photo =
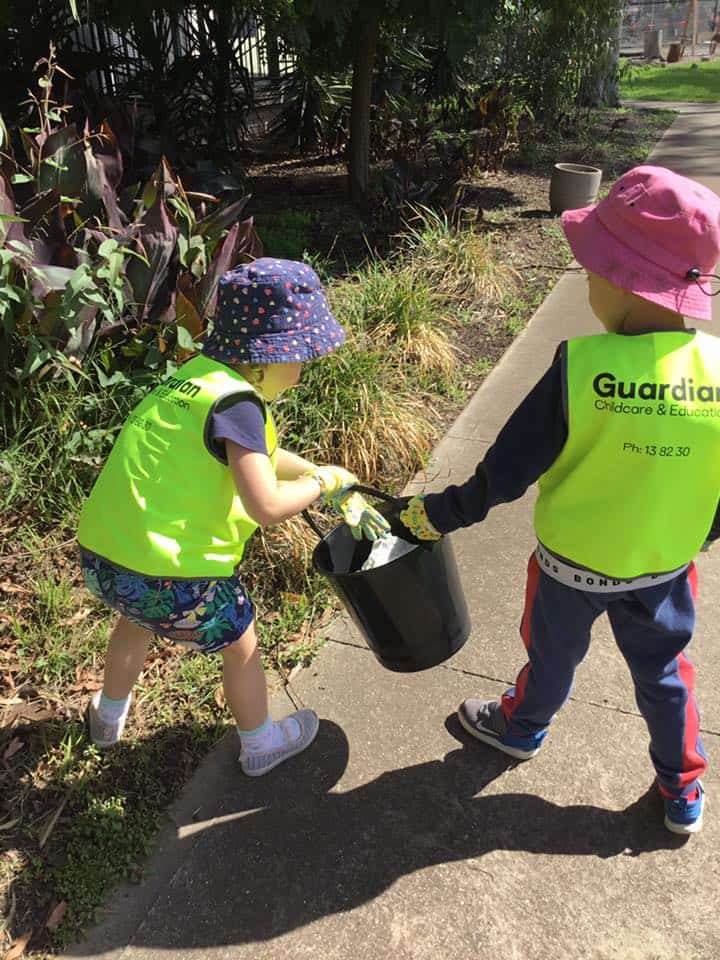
<point>602,84</point>
<point>359,148</point>
<point>272,51</point>
<point>612,96</point>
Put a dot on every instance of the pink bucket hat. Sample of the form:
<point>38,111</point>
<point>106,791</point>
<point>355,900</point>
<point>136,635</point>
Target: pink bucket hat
<point>647,234</point>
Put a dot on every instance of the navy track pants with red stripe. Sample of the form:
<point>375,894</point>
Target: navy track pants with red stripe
<point>652,627</point>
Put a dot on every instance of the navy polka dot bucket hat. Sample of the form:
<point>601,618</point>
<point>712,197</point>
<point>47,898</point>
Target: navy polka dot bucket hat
<point>272,311</point>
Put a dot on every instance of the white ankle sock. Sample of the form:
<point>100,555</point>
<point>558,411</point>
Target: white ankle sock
<point>112,710</point>
<point>269,735</point>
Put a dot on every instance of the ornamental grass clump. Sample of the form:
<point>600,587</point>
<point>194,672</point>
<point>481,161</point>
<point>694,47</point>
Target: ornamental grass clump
<point>397,310</point>
<point>457,261</point>
<point>357,410</point>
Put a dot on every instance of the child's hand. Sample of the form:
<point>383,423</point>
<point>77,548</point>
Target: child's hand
<point>417,521</point>
<point>362,518</point>
<point>333,480</point>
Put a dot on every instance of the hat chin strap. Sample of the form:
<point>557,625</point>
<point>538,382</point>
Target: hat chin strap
<point>695,275</point>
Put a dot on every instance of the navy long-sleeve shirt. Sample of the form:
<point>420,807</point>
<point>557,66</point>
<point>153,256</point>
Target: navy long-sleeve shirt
<point>525,448</point>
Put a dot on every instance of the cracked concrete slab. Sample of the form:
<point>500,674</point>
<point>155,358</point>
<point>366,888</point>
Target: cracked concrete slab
<point>396,835</point>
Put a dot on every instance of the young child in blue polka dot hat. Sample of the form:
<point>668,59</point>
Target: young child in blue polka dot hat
<point>272,311</point>
<point>195,470</point>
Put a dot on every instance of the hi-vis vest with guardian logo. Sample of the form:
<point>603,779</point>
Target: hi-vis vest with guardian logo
<point>164,504</point>
<point>635,488</point>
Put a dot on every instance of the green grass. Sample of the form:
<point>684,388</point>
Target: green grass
<point>287,235</point>
<point>58,437</point>
<point>517,305</point>
<point>692,83</point>
<point>106,844</point>
<point>479,368</point>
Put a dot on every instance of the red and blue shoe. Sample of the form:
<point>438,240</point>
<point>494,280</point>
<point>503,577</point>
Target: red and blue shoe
<point>685,815</point>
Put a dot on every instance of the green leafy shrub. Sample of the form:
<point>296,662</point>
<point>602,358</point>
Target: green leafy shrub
<point>315,109</point>
<point>92,283</point>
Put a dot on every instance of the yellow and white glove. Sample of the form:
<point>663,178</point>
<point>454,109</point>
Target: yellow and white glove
<point>417,521</point>
<point>362,518</point>
<point>332,480</point>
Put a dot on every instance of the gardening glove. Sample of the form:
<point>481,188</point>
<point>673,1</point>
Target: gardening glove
<point>415,518</point>
<point>332,480</point>
<point>362,518</point>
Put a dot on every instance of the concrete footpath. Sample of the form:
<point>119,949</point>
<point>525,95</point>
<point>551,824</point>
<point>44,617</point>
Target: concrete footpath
<point>396,835</point>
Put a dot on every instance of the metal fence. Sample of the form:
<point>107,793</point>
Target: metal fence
<point>257,52</point>
<point>675,20</point>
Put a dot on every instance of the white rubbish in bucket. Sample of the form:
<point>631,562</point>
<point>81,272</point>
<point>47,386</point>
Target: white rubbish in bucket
<point>385,550</point>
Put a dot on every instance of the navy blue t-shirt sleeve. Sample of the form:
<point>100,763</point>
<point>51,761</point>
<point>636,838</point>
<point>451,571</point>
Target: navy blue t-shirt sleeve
<point>525,448</point>
<point>240,419</point>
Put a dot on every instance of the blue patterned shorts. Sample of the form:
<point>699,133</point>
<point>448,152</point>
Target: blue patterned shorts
<point>208,615</point>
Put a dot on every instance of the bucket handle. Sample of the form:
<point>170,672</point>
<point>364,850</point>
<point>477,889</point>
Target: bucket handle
<point>356,488</point>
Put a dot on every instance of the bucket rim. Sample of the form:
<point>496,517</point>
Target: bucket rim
<point>354,573</point>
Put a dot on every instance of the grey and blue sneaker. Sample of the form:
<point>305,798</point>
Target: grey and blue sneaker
<point>685,815</point>
<point>256,764</point>
<point>485,720</point>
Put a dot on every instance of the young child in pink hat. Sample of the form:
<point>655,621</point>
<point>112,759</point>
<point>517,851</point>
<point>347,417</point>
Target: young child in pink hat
<point>623,435</point>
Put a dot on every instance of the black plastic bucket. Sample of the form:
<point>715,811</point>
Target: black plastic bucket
<point>411,611</point>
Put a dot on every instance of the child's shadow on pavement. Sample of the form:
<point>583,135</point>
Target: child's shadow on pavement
<point>286,852</point>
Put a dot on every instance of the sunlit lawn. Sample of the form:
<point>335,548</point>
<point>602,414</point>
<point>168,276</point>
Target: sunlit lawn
<point>698,82</point>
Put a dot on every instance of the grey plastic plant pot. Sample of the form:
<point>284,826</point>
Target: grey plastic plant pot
<point>412,611</point>
<point>573,185</point>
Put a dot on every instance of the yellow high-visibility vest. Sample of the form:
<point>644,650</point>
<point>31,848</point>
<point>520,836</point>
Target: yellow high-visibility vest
<point>635,488</point>
<point>164,504</point>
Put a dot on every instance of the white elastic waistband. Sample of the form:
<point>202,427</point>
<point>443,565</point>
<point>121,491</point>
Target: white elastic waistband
<point>582,579</point>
